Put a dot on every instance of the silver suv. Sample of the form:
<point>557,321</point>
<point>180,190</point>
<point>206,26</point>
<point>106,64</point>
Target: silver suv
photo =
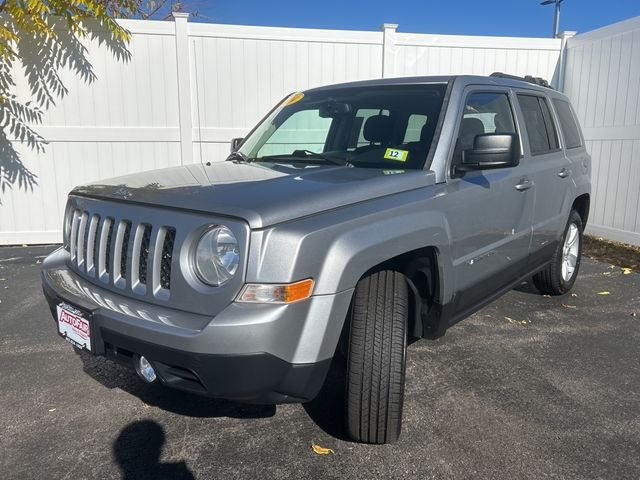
<point>352,219</point>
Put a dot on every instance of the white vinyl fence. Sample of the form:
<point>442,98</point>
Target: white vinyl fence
<point>603,81</point>
<point>191,87</point>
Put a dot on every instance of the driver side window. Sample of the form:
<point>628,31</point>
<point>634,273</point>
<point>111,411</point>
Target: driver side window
<point>484,112</point>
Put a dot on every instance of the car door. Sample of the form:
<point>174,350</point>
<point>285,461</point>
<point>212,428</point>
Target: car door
<point>489,211</point>
<point>551,172</point>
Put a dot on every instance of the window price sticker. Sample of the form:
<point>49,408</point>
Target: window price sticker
<point>395,154</point>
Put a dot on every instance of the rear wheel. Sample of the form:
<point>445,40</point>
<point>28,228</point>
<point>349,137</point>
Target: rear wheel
<point>560,275</point>
<point>376,357</point>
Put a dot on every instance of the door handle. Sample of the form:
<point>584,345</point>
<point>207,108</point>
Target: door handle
<point>564,173</point>
<point>524,185</point>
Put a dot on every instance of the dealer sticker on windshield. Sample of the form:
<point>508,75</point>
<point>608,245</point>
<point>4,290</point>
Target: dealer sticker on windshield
<point>395,154</point>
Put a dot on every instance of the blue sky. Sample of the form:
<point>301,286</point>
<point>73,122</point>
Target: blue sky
<point>464,17</point>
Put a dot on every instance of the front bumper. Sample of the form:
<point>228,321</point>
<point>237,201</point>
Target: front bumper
<point>248,352</point>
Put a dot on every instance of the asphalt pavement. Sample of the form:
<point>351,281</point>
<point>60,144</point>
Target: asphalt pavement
<point>529,387</point>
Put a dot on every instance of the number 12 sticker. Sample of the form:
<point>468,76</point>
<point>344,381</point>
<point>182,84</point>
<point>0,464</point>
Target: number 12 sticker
<point>395,154</point>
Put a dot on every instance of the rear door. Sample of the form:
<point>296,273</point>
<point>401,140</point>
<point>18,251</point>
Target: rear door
<point>551,172</point>
<point>489,211</point>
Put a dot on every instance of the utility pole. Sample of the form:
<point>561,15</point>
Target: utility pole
<point>556,17</point>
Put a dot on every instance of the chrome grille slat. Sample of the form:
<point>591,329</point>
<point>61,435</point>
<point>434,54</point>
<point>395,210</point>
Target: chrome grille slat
<point>162,257</point>
<point>92,236</point>
<point>103,248</point>
<point>82,230</point>
<point>73,244</point>
<point>119,267</point>
<point>139,255</point>
<point>127,254</point>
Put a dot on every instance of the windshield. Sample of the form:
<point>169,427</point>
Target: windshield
<point>389,126</point>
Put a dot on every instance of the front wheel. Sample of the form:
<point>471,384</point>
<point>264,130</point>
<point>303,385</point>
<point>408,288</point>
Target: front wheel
<point>560,275</point>
<point>376,357</point>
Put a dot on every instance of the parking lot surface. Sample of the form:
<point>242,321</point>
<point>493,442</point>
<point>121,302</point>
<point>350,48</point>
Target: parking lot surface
<point>529,387</point>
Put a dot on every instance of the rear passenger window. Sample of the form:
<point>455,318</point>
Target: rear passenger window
<point>541,130</point>
<point>568,124</point>
<point>554,143</point>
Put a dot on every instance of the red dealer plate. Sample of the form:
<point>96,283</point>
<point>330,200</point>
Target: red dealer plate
<point>74,326</point>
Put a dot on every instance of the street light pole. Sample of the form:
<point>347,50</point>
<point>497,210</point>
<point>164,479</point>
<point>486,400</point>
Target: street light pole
<point>556,17</point>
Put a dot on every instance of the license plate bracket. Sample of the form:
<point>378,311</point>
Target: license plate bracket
<point>74,325</point>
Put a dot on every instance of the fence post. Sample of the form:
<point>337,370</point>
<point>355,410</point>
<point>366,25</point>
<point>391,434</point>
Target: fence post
<point>562,61</point>
<point>184,86</point>
<point>388,49</point>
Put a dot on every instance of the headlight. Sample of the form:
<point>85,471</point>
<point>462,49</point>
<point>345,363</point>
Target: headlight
<point>217,256</point>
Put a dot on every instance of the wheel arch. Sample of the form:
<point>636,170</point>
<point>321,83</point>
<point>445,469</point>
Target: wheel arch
<point>422,268</point>
<point>582,204</point>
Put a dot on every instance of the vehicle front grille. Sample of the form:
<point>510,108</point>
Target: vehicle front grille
<point>121,252</point>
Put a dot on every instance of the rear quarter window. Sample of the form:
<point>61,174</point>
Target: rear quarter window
<point>568,124</point>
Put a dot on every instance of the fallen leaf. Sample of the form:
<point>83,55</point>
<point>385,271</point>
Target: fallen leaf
<point>569,306</point>
<point>574,294</point>
<point>521,322</point>
<point>52,410</point>
<point>603,293</point>
<point>626,270</point>
<point>317,449</point>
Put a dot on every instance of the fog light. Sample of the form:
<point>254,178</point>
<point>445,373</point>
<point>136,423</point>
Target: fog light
<point>144,369</point>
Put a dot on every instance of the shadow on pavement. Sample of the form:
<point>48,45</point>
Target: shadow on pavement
<point>137,451</point>
<point>528,287</point>
<point>113,375</point>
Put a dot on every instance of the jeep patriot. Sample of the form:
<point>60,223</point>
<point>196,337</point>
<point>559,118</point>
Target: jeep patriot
<point>351,220</point>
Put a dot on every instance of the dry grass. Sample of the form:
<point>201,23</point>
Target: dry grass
<point>614,253</point>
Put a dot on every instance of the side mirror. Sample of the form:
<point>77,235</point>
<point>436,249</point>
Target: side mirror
<point>491,150</point>
<point>235,143</point>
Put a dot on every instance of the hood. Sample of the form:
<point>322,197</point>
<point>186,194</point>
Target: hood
<point>260,195</point>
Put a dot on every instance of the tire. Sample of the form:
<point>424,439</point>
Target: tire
<point>376,357</point>
<point>554,280</point>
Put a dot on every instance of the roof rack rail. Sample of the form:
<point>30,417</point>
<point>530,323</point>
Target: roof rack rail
<point>528,78</point>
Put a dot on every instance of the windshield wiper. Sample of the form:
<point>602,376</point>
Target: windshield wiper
<point>238,156</point>
<point>307,156</point>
